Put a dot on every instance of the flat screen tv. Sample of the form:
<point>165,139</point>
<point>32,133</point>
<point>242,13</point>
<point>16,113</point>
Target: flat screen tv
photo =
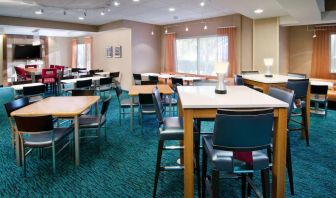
<point>27,52</point>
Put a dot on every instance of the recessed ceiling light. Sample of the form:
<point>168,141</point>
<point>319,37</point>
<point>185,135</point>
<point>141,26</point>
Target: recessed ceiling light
<point>258,11</point>
<point>187,29</point>
<point>205,27</point>
<point>202,4</point>
<point>102,13</point>
<point>136,0</point>
<point>171,9</point>
<point>116,3</point>
<point>40,11</point>
<point>81,18</point>
<point>109,10</point>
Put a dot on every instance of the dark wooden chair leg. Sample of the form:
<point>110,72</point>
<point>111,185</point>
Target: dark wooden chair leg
<point>243,185</point>
<point>305,126</point>
<point>289,166</point>
<point>158,166</point>
<point>215,183</point>
<point>204,170</point>
<point>265,182</point>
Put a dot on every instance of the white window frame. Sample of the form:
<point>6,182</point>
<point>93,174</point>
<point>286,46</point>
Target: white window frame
<point>331,69</point>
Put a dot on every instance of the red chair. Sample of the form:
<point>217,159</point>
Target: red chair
<point>21,73</point>
<point>30,66</point>
<point>49,77</point>
<point>52,66</point>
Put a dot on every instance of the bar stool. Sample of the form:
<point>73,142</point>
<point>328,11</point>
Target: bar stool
<point>170,129</point>
<point>253,134</point>
<point>300,88</point>
<point>319,96</point>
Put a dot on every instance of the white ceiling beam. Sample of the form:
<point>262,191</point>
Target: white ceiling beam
<point>302,10</point>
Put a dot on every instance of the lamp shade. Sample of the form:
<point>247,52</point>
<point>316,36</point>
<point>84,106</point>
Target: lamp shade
<point>221,67</point>
<point>268,61</point>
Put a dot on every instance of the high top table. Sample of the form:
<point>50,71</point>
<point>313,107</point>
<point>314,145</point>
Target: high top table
<point>147,89</point>
<point>202,102</point>
<point>265,83</point>
<point>66,107</point>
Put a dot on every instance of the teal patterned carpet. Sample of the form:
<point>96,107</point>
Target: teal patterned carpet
<point>124,165</point>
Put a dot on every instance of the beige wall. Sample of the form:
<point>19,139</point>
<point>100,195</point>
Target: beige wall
<point>266,43</point>
<point>59,51</point>
<point>244,34</point>
<point>300,49</point>
<point>101,41</point>
<point>284,50</point>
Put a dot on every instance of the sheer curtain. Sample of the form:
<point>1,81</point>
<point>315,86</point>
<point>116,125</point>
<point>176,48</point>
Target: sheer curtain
<point>88,52</point>
<point>74,53</point>
<point>321,53</point>
<point>169,52</point>
<point>231,33</point>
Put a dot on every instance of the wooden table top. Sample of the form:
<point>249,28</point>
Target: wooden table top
<point>148,89</point>
<point>204,97</point>
<point>68,106</point>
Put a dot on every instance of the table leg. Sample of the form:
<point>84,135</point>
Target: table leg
<point>170,105</point>
<point>132,113</point>
<point>188,153</point>
<point>303,135</point>
<point>17,149</point>
<point>77,157</point>
<point>279,161</point>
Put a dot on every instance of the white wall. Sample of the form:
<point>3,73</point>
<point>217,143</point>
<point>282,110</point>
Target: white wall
<point>1,58</point>
<point>101,41</point>
<point>59,51</point>
<point>266,43</point>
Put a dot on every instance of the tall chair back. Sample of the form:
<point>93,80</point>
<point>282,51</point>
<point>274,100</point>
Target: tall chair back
<point>105,81</point>
<point>300,87</point>
<point>36,124</point>
<point>158,105</point>
<point>148,82</point>
<point>145,99</point>
<point>319,89</point>
<point>114,74</point>
<point>287,96</point>
<point>154,79</point>
<point>243,129</point>
<point>82,92</point>
<point>238,80</point>
<point>137,76</point>
<point>34,90</point>
<point>83,84</point>
<point>177,81</point>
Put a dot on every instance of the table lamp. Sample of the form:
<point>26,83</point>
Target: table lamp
<point>221,70</point>
<point>268,62</point>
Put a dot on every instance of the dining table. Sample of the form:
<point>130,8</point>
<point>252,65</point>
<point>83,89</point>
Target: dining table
<point>135,90</point>
<point>69,107</point>
<point>203,102</point>
<point>20,87</point>
<point>263,82</point>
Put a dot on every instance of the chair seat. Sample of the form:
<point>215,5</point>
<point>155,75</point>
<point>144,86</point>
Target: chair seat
<point>90,121</point>
<point>172,129</point>
<point>148,109</point>
<point>44,140</point>
<point>127,102</point>
<point>224,160</point>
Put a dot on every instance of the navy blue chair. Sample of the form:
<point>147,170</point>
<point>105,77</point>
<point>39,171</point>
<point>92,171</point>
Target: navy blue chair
<point>238,130</point>
<point>238,80</point>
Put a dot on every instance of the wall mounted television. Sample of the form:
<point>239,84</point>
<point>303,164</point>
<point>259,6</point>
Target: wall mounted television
<point>27,52</point>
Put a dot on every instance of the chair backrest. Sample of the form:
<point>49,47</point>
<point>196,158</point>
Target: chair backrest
<point>84,83</point>
<point>238,80</point>
<point>148,82</point>
<point>297,75</point>
<point>82,92</point>
<point>114,74</point>
<point>22,82</point>
<point>287,96</point>
<point>93,71</point>
<point>243,129</point>
<point>137,76</point>
<point>177,81</point>
<point>249,72</point>
<point>68,77</point>
<point>49,73</point>
<point>42,123</point>
<point>105,106</point>
<point>30,66</point>
<point>20,72</point>
<point>105,81</point>
<point>145,99</point>
<point>85,75</point>
<point>158,105</point>
<point>15,105</point>
<point>153,78</point>
<point>319,89</point>
<point>33,90</point>
<point>300,87</point>
<point>52,66</point>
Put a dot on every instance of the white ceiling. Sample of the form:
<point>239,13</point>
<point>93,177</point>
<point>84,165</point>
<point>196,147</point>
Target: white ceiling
<point>291,12</point>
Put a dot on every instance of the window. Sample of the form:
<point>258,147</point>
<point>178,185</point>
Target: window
<point>199,55</point>
<point>83,56</point>
<point>333,53</point>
